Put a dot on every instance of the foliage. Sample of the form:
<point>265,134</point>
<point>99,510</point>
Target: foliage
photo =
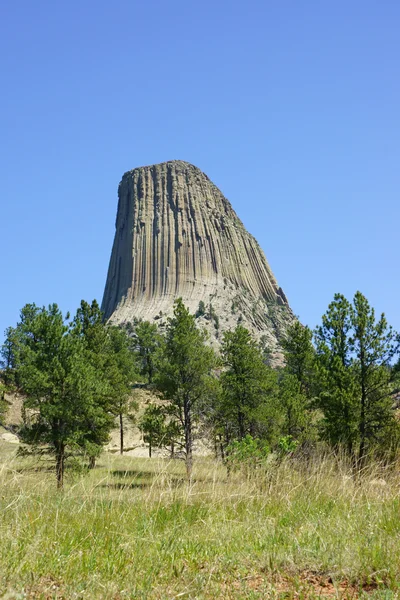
<point>338,388</point>
<point>201,311</point>
<point>299,356</point>
<point>59,367</point>
<point>153,426</point>
<point>7,356</point>
<point>355,352</point>
<point>295,418</point>
<point>3,402</point>
<point>212,315</point>
<point>185,373</point>
<point>108,348</point>
<point>147,344</point>
<point>265,349</point>
<point>121,373</point>
<point>287,445</point>
<point>247,383</point>
<point>247,453</point>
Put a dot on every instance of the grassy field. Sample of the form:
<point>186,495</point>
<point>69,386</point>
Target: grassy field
<point>133,528</point>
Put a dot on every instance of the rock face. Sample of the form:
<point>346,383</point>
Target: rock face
<point>178,236</point>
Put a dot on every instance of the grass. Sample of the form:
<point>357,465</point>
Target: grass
<point>133,528</point>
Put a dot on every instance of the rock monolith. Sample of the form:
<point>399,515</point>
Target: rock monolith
<point>178,236</point>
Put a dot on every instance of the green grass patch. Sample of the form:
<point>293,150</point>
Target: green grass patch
<point>134,528</point>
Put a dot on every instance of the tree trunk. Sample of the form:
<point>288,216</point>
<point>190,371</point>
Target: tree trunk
<point>60,465</point>
<point>188,438</point>
<point>361,452</point>
<point>150,449</point>
<point>172,449</point>
<point>363,433</point>
<point>92,462</point>
<point>221,448</point>
<point>121,434</point>
<point>241,424</point>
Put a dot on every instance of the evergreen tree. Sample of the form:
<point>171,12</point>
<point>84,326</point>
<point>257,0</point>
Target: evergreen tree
<point>295,416</point>
<point>153,426</point>
<point>338,390</point>
<point>354,356</point>
<point>147,343</point>
<point>247,383</point>
<point>108,349</point>
<point>121,371</point>
<point>373,344</point>
<point>297,384</point>
<point>7,356</point>
<point>61,386</point>
<point>185,375</point>
<point>299,356</point>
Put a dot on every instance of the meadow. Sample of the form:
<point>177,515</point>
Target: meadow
<point>135,528</point>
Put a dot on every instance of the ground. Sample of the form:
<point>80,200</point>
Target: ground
<point>135,528</point>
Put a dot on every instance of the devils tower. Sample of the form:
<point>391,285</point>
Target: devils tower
<point>178,236</point>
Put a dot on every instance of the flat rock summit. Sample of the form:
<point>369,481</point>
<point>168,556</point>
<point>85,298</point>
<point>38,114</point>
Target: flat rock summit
<point>178,236</point>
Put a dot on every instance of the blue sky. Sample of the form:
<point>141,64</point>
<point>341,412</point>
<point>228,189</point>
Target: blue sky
<point>291,108</point>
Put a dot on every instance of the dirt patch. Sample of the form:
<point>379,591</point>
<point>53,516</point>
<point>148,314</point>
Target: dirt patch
<point>311,584</point>
<point>46,588</point>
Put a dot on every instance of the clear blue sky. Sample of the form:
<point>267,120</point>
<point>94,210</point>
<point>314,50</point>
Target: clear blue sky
<point>291,108</point>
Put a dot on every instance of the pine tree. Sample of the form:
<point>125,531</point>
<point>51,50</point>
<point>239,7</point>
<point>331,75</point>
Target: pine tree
<point>297,382</point>
<point>299,356</point>
<point>147,343</point>
<point>294,410</point>
<point>354,356</point>
<point>108,348</point>
<point>153,426</point>
<point>185,374</point>
<point>62,382</point>
<point>121,373</point>
<point>338,390</point>
<point>247,383</point>
<point>373,344</point>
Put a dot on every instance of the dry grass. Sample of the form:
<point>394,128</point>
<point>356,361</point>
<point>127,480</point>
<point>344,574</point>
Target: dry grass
<point>133,528</point>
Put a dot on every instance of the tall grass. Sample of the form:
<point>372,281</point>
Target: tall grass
<point>134,528</point>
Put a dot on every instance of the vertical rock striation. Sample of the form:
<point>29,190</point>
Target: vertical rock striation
<point>178,236</point>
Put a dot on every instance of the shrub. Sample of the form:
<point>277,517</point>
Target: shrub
<point>247,454</point>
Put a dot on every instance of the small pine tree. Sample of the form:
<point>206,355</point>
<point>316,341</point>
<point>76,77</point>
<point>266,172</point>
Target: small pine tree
<point>293,405</point>
<point>185,374</point>
<point>109,350</point>
<point>297,383</point>
<point>247,382</point>
<point>201,311</point>
<point>299,356</point>
<point>153,426</point>
<point>121,373</point>
<point>147,344</point>
<point>61,383</point>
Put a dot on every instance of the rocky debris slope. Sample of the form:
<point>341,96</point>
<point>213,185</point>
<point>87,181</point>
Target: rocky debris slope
<point>178,236</point>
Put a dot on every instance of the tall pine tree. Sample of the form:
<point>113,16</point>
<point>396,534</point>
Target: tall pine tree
<point>354,357</point>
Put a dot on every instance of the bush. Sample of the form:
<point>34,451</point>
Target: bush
<point>247,454</point>
<point>287,445</point>
<point>201,311</point>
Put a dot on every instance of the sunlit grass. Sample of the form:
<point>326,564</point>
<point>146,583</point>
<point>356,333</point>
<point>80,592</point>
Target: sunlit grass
<point>134,528</point>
